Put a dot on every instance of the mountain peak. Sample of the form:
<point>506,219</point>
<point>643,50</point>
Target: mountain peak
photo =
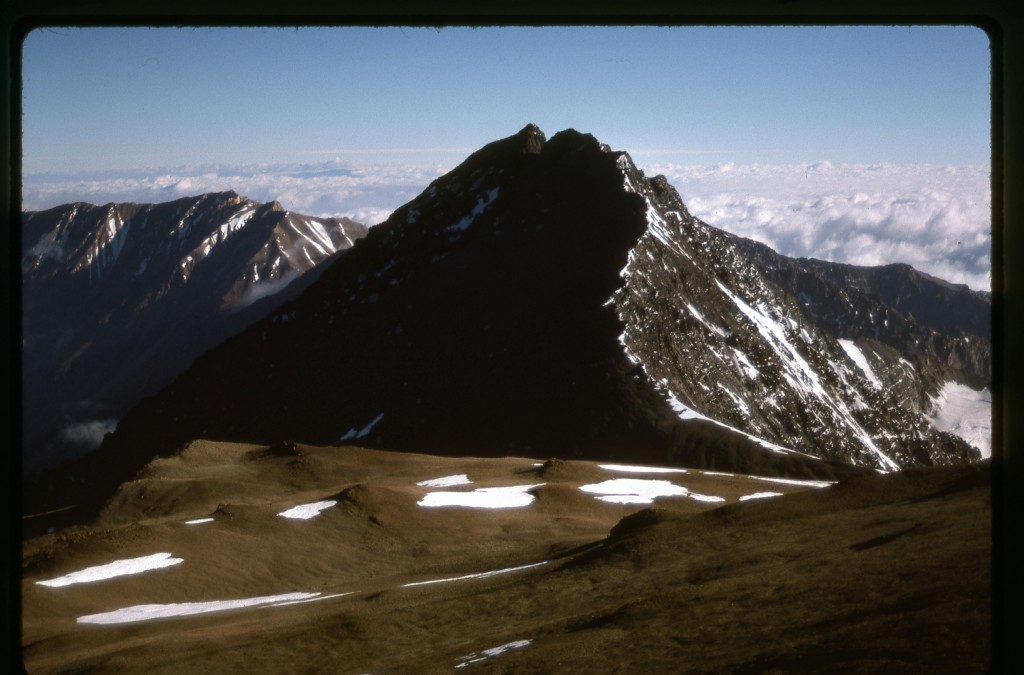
<point>570,139</point>
<point>532,138</point>
<point>545,296</point>
<point>178,277</point>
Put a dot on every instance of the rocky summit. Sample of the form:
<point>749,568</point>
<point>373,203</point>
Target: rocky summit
<point>547,299</point>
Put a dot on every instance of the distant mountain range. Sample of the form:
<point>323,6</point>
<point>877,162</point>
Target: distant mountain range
<point>547,299</point>
<point>118,299</point>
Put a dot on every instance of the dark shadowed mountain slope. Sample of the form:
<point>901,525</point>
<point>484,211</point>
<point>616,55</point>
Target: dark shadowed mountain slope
<point>545,298</point>
<point>119,298</point>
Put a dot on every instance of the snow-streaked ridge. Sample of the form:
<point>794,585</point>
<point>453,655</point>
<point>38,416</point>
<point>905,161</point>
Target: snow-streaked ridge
<point>768,325</point>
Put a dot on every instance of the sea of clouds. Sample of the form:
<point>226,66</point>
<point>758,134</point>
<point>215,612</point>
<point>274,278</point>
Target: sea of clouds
<point>366,193</point>
<point>935,218</point>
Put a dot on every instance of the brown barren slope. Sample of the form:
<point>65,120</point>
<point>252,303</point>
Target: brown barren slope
<point>883,573</point>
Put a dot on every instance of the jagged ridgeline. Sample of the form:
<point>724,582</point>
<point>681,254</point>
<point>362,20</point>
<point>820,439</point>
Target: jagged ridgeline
<point>546,298</point>
<point>120,298</point>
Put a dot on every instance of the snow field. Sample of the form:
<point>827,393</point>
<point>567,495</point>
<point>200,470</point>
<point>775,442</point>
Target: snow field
<point>760,495</point>
<point>483,498</point>
<point>629,468</point>
<point>493,651</point>
<point>965,412</point>
<point>633,491</point>
<point>307,511</point>
<point>118,568</point>
<point>478,575</point>
<point>857,356</point>
<point>138,613</point>
<point>446,481</point>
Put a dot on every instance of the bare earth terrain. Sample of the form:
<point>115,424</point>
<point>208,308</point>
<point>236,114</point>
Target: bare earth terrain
<point>347,560</point>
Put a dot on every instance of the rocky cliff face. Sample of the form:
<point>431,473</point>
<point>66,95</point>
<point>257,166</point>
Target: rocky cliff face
<point>804,354</point>
<point>545,298</point>
<point>119,298</point>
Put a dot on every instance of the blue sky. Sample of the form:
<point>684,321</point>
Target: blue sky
<point>115,98</point>
<point>136,113</point>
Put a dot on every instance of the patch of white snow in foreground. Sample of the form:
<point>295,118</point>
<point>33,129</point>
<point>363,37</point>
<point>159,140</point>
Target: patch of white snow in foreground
<point>198,521</point>
<point>797,481</point>
<point>313,599</point>
<point>760,495</point>
<point>639,491</point>
<point>966,413</point>
<point>118,568</point>
<point>307,511</point>
<point>493,651</point>
<point>478,575</point>
<point>137,613</point>
<point>446,481</point>
<point>628,468</point>
<point>483,498</point>
<point>705,498</point>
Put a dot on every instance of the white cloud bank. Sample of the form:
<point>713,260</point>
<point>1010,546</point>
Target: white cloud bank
<point>88,434</point>
<point>367,193</point>
<point>935,218</point>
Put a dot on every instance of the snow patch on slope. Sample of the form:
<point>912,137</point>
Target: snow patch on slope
<point>799,373</point>
<point>760,495</point>
<point>857,356</point>
<point>446,481</point>
<point>965,412</point>
<point>493,651</point>
<point>138,613</point>
<point>307,511</point>
<point>633,490</point>
<point>479,575</point>
<point>481,205</point>
<point>118,568</point>
<point>361,433</point>
<point>483,498</point>
<point>632,468</point>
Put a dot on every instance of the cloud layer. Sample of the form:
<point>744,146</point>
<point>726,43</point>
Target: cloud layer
<point>366,193</point>
<point>88,434</point>
<point>935,218</point>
